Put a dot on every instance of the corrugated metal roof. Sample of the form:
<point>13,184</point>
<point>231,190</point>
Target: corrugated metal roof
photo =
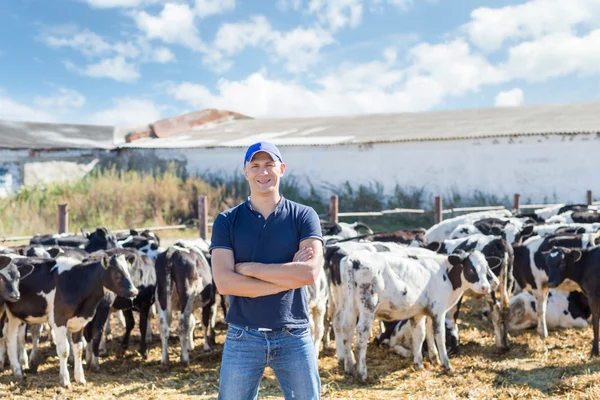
<point>48,136</point>
<point>571,118</point>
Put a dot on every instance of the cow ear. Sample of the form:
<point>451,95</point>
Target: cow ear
<point>455,259</point>
<point>4,261</point>
<point>434,246</point>
<point>575,255</point>
<point>55,251</point>
<point>133,232</point>
<point>25,270</point>
<point>494,262</point>
<point>85,233</point>
<point>21,252</point>
<point>105,261</point>
<point>527,231</point>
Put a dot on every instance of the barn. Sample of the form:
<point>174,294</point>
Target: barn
<point>541,151</point>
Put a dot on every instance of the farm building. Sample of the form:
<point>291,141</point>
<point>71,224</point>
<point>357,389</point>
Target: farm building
<point>542,151</point>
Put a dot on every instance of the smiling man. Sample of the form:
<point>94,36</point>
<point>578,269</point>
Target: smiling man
<point>264,251</point>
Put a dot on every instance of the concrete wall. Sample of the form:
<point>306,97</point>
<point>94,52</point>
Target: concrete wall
<point>537,167</point>
<point>29,168</point>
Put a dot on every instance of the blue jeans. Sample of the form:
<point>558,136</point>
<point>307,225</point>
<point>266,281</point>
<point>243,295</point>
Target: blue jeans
<point>290,352</point>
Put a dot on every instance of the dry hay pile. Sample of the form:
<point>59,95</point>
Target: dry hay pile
<point>561,369</point>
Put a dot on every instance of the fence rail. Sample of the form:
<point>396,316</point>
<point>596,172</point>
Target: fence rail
<point>202,214</point>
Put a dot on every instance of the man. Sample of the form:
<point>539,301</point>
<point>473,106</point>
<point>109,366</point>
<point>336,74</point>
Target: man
<point>264,251</point>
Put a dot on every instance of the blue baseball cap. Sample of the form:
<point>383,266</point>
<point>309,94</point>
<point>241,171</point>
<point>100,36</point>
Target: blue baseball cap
<point>267,147</point>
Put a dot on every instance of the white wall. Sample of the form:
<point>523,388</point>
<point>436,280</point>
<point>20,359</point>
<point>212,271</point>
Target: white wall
<point>536,166</point>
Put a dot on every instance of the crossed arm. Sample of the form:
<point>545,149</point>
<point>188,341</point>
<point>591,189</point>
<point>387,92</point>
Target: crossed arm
<point>258,279</point>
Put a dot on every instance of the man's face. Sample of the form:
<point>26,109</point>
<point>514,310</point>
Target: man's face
<point>263,174</point>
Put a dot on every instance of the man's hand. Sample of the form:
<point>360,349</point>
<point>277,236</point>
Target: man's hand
<point>304,254</point>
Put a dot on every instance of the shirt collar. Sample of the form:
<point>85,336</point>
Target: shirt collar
<point>277,207</point>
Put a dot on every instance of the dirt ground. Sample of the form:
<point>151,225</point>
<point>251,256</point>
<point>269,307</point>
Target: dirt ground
<point>561,369</point>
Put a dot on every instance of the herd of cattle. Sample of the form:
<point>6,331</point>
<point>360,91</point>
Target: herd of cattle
<point>534,270</point>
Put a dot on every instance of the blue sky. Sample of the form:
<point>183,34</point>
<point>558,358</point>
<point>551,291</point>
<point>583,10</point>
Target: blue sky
<point>129,62</point>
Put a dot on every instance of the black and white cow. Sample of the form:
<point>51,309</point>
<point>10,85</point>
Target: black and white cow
<point>143,276</point>
<point>581,266</point>
<point>443,230</point>
<point>343,230</point>
<point>564,310</point>
<point>187,269</point>
<point>513,230</point>
<point>413,237</point>
<point>393,287</point>
<point>532,272</point>
<point>499,255</point>
<point>65,293</point>
<point>10,276</point>
<point>397,335</point>
<point>146,241</point>
<point>59,239</point>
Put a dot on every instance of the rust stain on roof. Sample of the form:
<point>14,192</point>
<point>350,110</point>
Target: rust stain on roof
<point>184,123</point>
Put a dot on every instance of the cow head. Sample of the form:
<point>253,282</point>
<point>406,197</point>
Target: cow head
<point>475,270</point>
<point>101,239</point>
<point>117,277</point>
<point>10,275</point>
<point>559,261</point>
<point>37,251</point>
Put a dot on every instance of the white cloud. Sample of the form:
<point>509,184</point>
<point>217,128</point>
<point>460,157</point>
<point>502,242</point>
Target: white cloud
<point>128,112</point>
<point>116,68</point>
<point>232,38</point>
<point>554,56</point>
<point>337,14</point>
<point>162,55</point>
<point>63,101</point>
<point>86,42</point>
<point>206,8</point>
<point>13,110</point>
<point>509,98</point>
<point>489,28</point>
<point>299,48</point>
<point>175,25</point>
<point>285,5</point>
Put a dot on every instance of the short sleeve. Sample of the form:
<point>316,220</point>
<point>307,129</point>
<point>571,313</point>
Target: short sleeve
<point>311,225</point>
<point>221,237</point>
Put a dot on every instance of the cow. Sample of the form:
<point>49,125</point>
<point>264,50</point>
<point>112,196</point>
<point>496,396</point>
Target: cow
<point>512,229</point>
<point>187,269</point>
<point>531,272</point>
<point>442,230</point>
<point>564,310</point>
<point>394,287</point>
<point>60,239</point>
<point>343,230</point>
<point>551,211</point>
<point>143,276</point>
<point>499,255</point>
<point>397,335</point>
<point>581,266</point>
<point>147,242</point>
<point>10,276</point>
<point>414,237</point>
<point>553,229</point>
<point>65,293</point>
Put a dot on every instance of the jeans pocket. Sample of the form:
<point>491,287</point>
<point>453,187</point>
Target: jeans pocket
<point>234,333</point>
<point>298,332</point>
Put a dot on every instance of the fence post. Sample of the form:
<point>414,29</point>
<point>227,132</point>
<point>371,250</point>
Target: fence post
<point>438,209</point>
<point>589,198</point>
<point>516,203</point>
<point>333,209</point>
<point>203,216</point>
<point>63,218</point>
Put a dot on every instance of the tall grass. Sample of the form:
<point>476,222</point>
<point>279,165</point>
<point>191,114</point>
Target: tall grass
<point>121,199</point>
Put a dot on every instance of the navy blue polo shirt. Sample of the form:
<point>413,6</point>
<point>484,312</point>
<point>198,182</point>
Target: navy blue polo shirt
<point>272,241</point>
